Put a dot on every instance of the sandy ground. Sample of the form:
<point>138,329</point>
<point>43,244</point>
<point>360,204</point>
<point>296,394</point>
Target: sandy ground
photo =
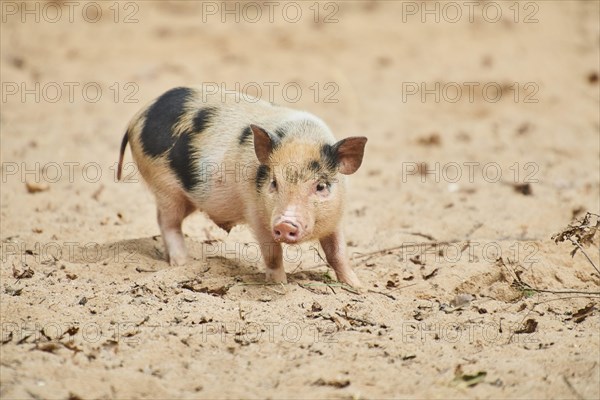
<point>89,309</point>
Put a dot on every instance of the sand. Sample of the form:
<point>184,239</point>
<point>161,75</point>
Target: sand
<point>483,138</point>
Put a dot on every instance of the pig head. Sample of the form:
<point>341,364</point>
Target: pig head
<point>301,186</point>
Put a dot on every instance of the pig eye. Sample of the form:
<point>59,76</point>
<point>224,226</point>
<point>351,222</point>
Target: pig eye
<point>273,186</point>
<point>322,186</point>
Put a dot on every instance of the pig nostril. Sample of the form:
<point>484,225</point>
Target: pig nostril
<point>287,231</point>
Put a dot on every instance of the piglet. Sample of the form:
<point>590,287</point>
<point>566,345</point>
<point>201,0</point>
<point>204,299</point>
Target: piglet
<point>242,160</point>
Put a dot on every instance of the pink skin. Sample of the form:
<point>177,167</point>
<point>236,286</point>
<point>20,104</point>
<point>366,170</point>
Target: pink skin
<point>172,209</point>
<point>294,222</point>
<point>289,227</point>
<point>272,254</point>
<point>334,247</point>
<point>303,208</point>
<point>287,231</point>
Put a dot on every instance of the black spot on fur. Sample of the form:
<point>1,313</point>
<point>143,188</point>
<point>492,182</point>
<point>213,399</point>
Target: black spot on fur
<point>183,162</point>
<point>275,141</point>
<point>202,118</point>
<point>314,166</point>
<point>280,132</point>
<point>329,156</point>
<point>245,135</point>
<point>157,133</point>
<point>262,174</point>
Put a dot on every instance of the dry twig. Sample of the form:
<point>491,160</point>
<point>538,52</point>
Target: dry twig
<point>580,233</point>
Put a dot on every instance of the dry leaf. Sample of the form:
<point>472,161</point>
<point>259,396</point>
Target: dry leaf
<point>582,232</point>
<point>431,140</point>
<point>523,188</point>
<point>467,380</point>
<point>529,327</point>
<point>583,313</point>
<point>25,274</point>
<point>430,274</point>
<point>316,307</point>
<point>334,382</point>
<point>33,187</point>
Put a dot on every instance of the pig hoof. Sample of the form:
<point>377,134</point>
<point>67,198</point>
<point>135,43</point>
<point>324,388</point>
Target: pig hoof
<point>356,285</point>
<point>352,280</point>
<point>276,276</point>
<point>177,261</point>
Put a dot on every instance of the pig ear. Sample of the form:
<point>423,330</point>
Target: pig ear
<point>263,144</point>
<point>350,153</point>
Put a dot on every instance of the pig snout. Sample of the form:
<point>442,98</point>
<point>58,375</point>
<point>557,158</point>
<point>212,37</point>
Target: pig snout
<point>287,231</point>
<point>290,226</point>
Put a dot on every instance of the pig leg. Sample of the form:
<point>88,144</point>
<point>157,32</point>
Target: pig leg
<point>334,246</point>
<point>171,212</point>
<point>273,256</point>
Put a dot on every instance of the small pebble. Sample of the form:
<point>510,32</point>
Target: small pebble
<point>461,300</point>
